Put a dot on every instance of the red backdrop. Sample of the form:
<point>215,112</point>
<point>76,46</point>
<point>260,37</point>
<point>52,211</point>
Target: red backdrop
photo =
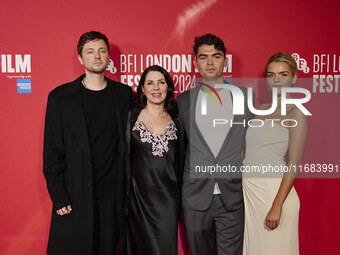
<point>38,44</point>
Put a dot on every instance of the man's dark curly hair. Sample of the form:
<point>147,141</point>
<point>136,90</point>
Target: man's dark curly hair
<point>209,39</point>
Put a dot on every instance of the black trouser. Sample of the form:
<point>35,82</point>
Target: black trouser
<point>202,226</point>
<point>105,236</point>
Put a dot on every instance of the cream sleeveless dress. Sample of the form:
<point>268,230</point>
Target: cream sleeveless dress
<point>267,146</point>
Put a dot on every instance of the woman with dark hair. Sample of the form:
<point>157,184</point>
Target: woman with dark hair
<point>270,200</point>
<point>155,142</point>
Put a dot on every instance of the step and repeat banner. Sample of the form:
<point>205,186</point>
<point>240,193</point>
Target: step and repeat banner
<point>38,53</point>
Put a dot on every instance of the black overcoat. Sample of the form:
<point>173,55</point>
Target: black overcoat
<point>68,168</point>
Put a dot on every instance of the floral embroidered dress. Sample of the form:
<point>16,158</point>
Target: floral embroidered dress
<point>155,194</point>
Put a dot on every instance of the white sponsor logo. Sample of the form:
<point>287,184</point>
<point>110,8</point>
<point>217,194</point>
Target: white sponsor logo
<point>111,67</point>
<point>15,63</point>
<point>301,63</point>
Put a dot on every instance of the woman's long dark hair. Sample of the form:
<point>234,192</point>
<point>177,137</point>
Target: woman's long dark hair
<point>169,104</point>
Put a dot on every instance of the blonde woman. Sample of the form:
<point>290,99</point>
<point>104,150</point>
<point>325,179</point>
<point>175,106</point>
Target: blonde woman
<point>271,202</point>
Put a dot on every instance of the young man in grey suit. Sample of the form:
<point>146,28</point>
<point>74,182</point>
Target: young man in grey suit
<point>84,147</point>
<point>212,200</point>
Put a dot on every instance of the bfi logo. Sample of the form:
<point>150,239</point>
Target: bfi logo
<point>15,63</point>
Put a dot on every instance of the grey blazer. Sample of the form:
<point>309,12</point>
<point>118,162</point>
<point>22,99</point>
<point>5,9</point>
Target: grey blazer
<point>197,187</point>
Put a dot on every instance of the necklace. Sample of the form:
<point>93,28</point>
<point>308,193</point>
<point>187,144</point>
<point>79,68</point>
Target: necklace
<point>83,82</point>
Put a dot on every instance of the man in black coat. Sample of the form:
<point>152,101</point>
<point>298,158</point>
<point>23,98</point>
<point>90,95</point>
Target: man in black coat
<point>84,150</point>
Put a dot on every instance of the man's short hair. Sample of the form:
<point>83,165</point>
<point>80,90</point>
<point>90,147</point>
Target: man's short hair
<point>209,39</point>
<point>91,36</point>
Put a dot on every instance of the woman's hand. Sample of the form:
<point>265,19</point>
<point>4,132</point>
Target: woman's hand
<point>273,217</point>
<point>65,210</point>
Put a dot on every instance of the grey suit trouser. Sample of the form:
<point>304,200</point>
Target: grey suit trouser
<point>203,226</point>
